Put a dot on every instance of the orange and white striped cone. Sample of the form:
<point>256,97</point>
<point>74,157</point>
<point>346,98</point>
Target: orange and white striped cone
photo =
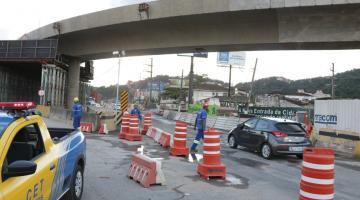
<point>133,134</point>
<point>147,123</point>
<point>124,126</point>
<point>211,165</point>
<point>318,173</point>
<point>179,146</point>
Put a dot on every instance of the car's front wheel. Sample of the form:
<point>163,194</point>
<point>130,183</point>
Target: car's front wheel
<point>232,142</point>
<point>77,185</point>
<point>266,151</point>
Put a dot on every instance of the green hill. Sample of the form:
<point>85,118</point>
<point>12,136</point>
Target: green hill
<point>347,85</point>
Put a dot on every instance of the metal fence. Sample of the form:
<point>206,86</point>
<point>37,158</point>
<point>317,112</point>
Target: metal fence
<point>28,49</point>
<point>221,123</point>
<point>15,85</point>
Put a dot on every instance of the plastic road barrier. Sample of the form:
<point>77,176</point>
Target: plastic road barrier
<point>165,139</point>
<point>103,129</point>
<point>86,127</point>
<point>158,135</point>
<point>145,170</point>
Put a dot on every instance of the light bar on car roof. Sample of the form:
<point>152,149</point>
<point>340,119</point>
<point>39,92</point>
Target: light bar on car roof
<point>17,105</point>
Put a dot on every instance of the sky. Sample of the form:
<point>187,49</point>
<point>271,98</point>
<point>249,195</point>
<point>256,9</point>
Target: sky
<point>23,16</point>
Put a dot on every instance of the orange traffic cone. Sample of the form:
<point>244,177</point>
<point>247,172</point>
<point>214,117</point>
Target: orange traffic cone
<point>133,134</point>
<point>124,126</point>
<point>179,148</point>
<point>211,165</point>
<point>147,123</point>
<point>317,177</point>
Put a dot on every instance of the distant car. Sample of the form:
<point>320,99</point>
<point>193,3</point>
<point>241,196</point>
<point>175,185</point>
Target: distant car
<point>270,136</point>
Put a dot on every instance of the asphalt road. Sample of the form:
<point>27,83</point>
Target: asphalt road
<point>249,177</point>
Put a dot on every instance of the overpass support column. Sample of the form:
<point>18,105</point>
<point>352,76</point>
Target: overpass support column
<point>73,81</point>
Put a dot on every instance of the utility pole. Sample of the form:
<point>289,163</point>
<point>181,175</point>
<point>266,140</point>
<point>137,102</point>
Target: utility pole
<point>191,78</point>
<point>191,74</point>
<point>252,84</point>
<point>230,74</point>
<point>119,54</point>
<point>181,87</point>
<point>151,76</point>
<point>159,96</point>
<point>333,81</point>
<point>229,89</point>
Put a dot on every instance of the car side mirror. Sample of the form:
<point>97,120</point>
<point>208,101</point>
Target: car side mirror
<point>20,168</point>
<point>241,126</point>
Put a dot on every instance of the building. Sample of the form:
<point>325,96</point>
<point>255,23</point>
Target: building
<point>206,91</point>
<point>301,95</point>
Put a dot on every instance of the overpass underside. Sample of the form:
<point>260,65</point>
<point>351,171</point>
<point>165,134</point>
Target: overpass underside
<point>303,28</point>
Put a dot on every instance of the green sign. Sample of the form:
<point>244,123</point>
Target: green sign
<point>277,112</point>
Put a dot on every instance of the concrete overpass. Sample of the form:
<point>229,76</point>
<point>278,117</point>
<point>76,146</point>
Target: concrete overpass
<point>175,26</point>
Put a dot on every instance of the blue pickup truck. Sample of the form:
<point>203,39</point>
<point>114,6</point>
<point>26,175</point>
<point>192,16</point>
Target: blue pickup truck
<point>37,162</point>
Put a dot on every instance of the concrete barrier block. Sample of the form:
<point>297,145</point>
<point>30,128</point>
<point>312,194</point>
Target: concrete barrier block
<point>292,3</point>
<point>356,152</point>
<point>323,2</point>
<point>277,3</point>
<point>307,2</point>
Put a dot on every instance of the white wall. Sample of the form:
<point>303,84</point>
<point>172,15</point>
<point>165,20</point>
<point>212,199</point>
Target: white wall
<point>204,94</point>
<point>341,115</point>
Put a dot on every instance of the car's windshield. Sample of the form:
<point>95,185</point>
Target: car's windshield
<point>5,120</point>
<point>290,127</point>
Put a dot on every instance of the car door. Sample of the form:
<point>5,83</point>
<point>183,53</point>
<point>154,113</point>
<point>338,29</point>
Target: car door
<point>249,125</point>
<point>25,143</point>
<point>258,135</point>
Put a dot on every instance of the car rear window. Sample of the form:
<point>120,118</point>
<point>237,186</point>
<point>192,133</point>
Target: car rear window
<point>5,120</point>
<point>289,127</point>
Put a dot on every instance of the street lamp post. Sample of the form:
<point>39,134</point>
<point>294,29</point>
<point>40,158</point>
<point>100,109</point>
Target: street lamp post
<point>119,54</point>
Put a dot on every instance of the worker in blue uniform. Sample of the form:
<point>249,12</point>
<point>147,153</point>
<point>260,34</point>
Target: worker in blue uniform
<point>137,112</point>
<point>200,126</point>
<point>76,113</point>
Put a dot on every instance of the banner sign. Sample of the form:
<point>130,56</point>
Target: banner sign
<point>277,112</point>
<point>326,119</point>
<point>231,58</point>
